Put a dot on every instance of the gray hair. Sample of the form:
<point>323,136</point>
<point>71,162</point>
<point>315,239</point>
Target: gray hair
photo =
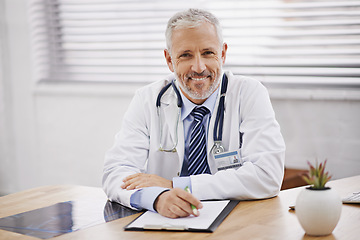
<point>189,19</point>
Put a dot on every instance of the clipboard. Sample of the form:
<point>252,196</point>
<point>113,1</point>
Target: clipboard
<point>150,221</point>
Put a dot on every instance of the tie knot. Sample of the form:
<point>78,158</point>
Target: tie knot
<point>199,113</point>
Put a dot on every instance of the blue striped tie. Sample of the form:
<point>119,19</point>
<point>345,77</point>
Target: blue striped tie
<point>197,148</point>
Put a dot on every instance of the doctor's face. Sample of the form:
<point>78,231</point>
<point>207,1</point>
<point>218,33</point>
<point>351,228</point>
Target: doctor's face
<point>196,59</point>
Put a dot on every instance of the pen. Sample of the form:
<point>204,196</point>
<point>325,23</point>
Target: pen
<point>194,209</point>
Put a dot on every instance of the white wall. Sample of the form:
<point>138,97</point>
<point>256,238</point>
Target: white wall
<point>320,124</point>
<point>58,133</point>
<point>17,131</point>
<point>75,125</point>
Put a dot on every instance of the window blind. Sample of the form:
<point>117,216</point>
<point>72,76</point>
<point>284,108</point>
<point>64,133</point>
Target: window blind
<point>289,41</point>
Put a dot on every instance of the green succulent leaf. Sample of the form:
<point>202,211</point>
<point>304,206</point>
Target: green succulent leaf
<point>317,177</point>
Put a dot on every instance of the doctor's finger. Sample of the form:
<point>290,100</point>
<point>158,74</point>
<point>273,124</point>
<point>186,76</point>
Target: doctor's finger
<point>139,181</point>
<point>189,198</point>
<point>131,183</point>
<point>182,208</point>
<point>133,176</point>
<point>183,200</point>
<point>170,205</point>
<point>178,211</point>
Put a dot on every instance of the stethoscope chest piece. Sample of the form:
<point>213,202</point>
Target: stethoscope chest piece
<point>217,148</point>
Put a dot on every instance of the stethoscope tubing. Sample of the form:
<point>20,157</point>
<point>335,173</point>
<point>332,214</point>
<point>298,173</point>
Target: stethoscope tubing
<point>219,121</point>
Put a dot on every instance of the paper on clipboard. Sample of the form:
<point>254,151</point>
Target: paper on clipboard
<point>154,221</point>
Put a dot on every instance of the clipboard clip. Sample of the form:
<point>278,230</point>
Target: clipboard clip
<point>168,227</point>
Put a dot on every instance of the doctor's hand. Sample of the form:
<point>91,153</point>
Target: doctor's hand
<point>141,180</point>
<point>176,203</point>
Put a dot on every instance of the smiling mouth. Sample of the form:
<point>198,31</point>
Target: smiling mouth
<point>198,79</point>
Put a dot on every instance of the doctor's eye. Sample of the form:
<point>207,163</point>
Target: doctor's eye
<point>185,55</point>
<point>208,53</point>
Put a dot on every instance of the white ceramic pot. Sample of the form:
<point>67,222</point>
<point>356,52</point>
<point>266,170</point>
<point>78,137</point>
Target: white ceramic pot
<point>318,211</point>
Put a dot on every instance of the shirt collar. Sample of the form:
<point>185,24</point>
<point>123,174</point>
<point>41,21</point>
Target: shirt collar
<point>188,106</point>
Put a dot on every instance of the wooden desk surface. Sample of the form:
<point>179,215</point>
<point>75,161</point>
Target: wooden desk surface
<point>260,219</point>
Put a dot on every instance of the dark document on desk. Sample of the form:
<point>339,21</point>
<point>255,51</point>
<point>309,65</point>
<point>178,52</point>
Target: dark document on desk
<point>211,216</point>
<point>64,217</point>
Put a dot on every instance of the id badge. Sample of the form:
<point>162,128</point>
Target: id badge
<point>228,160</point>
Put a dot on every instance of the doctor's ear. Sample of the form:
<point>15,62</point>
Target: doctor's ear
<point>168,60</point>
<point>223,52</point>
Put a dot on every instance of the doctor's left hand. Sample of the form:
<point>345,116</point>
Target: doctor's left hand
<point>140,180</point>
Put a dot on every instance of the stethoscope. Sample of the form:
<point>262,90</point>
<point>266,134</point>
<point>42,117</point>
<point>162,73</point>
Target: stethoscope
<point>219,120</point>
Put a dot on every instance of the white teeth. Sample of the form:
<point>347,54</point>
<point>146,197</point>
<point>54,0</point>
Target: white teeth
<point>199,79</point>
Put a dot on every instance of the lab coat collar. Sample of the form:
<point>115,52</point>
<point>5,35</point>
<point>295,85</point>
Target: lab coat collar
<point>170,113</point>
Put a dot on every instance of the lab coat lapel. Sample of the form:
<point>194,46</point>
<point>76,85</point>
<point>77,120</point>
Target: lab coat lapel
<point>210,138</point>
<point>170,113</point>
<point>181,148</point>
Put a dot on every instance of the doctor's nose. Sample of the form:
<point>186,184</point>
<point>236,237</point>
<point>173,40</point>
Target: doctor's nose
<point>198,65</point>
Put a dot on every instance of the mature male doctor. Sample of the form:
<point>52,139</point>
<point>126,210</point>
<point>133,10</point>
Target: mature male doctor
<point>138,173</point>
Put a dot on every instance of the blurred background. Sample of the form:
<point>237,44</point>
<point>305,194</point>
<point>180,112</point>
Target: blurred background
<point>69,68</point>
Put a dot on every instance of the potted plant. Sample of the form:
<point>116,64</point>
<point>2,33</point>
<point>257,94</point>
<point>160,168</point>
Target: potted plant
<point>318,207</point>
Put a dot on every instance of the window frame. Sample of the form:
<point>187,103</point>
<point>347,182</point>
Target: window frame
<point>47,61</point>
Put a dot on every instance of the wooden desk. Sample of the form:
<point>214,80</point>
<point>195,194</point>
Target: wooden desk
<point>261,219</point>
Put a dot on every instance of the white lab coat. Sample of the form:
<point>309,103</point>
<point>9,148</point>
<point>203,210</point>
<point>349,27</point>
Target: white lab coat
<point>247,110</point>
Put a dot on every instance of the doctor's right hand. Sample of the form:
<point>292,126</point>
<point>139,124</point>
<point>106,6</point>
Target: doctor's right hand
<point>176,203</point>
